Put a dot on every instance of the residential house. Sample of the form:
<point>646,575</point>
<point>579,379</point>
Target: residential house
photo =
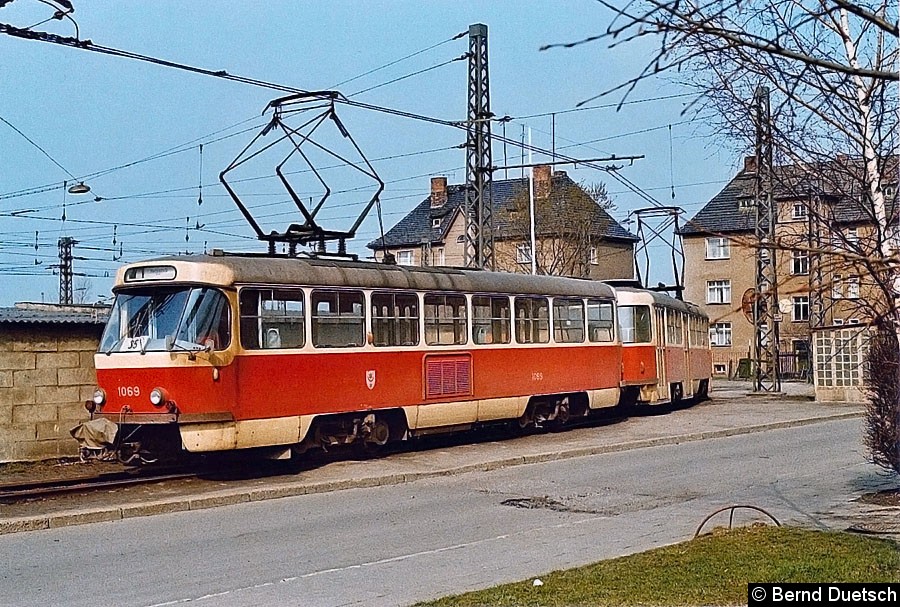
<point>825,230</point>
<point>575,235</point>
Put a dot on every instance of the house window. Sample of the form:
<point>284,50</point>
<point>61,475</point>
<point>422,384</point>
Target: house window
<point>720,334</point>
<point>837,321</point>
<point>718,248</point>
<point>853,287</point>
<point>718,291</point>
<point>889,191</point>
<point>523,253</point>
<point>405,258</point>
<point>799,263</point>
<point>837,287</point>
<point>720,369</point>
<point>746,203</point>
<point>851,235</point>
<point>853,321</point>
<point>435,223</point>
<point>593,256</point>
<point>799,210</point>
<point>461,238</point>
<point>800,311</point>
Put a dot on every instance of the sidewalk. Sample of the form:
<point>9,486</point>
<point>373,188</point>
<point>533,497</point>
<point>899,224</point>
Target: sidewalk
<point>730,412</point>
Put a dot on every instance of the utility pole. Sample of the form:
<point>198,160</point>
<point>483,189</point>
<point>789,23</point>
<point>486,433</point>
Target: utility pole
<point>766,314</point>
<point>479,250</point>
<point>65,269</point>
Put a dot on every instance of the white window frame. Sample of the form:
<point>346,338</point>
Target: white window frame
<point>853,287</point>
<point>721,289</point>
<point>407,255</point>
<point>799,305</point>
<point>720,334</point>
<point>799,263</point>
<point>720,369</point>
<point>799,210</point>
<point>837,287</point>
<point>593,257</point>
<point>435,223</point>
<point>718,247</point>
<point>852,236</point>
<point>523,253</point>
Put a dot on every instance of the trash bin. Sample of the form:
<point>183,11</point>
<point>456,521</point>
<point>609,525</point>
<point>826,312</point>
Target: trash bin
<point>744,368</point>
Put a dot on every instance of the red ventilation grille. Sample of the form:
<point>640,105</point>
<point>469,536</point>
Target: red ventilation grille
<point>448,376</point>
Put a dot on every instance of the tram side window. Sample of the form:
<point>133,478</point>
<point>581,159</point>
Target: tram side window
<point>532,320</point>
<point>338,319</point>
<point>395,319</point>
<point>674,327</point>
<point>634,324</point>
<point>445,320</point>
<point>568,321</point>
<point>272,318</point>
<point>600,320</point>
<point>490,319</point>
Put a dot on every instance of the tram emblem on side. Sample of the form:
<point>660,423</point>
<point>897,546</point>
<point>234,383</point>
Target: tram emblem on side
<point>370,379</point>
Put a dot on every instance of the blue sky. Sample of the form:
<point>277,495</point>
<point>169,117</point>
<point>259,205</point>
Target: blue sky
<point>93,112</point>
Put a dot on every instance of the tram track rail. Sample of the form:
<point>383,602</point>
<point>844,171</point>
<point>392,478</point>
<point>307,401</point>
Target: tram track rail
<point>19,492</point>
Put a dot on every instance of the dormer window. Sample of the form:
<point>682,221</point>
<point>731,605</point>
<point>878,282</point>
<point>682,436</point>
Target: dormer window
<point>745,203</point>
<point>435,223</point>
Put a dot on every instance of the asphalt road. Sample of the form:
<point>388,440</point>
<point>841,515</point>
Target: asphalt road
<point>394,545</point>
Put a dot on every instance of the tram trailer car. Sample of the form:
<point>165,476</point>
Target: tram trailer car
<point>220,352</point>
<point>665,348</point>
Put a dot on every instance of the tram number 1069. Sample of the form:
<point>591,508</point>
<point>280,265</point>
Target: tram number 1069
<point>129,391</point>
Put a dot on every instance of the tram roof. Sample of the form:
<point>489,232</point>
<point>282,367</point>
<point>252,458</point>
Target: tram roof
<point>233,269</point>
<point>630,295</point>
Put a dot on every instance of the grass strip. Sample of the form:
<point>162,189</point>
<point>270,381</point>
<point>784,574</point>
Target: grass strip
<point>711,570</point>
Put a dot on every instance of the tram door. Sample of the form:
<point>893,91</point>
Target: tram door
<point>659,314</point>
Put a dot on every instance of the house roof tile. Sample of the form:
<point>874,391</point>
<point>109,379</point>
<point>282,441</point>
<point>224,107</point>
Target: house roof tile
<point>424,224</point>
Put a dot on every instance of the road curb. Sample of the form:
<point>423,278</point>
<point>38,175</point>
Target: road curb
<point>228,498</point>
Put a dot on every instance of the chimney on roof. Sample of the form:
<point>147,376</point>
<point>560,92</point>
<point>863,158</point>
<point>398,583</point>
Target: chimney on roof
<point>438,192</point>
<point>750,164</point>
<point>541,181</point>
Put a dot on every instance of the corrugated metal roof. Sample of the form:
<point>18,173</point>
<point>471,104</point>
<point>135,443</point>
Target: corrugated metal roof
<point>95,316</point>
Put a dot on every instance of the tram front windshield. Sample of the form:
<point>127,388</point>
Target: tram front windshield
<point>172,319</point>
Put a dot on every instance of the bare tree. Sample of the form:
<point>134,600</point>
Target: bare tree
<point>569,221</point>
<point>831,68</point>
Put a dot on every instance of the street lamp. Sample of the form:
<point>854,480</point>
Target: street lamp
<point>79,188</point>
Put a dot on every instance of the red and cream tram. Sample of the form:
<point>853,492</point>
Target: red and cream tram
<point>665,347</point>
<point>220,352</point>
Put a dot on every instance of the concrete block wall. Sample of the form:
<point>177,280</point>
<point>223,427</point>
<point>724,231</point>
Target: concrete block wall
<point>46,374</point>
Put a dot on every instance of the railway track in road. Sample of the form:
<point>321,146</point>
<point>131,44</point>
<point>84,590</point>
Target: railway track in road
<point>19,492</point>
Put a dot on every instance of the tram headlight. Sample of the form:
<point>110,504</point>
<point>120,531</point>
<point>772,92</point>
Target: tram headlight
<point>99,397</point>
<point>158,397</point>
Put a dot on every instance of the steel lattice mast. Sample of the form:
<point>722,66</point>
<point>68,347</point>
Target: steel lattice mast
<point>765,307</point>
<point>479,250</point>
<point>65,269</point>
